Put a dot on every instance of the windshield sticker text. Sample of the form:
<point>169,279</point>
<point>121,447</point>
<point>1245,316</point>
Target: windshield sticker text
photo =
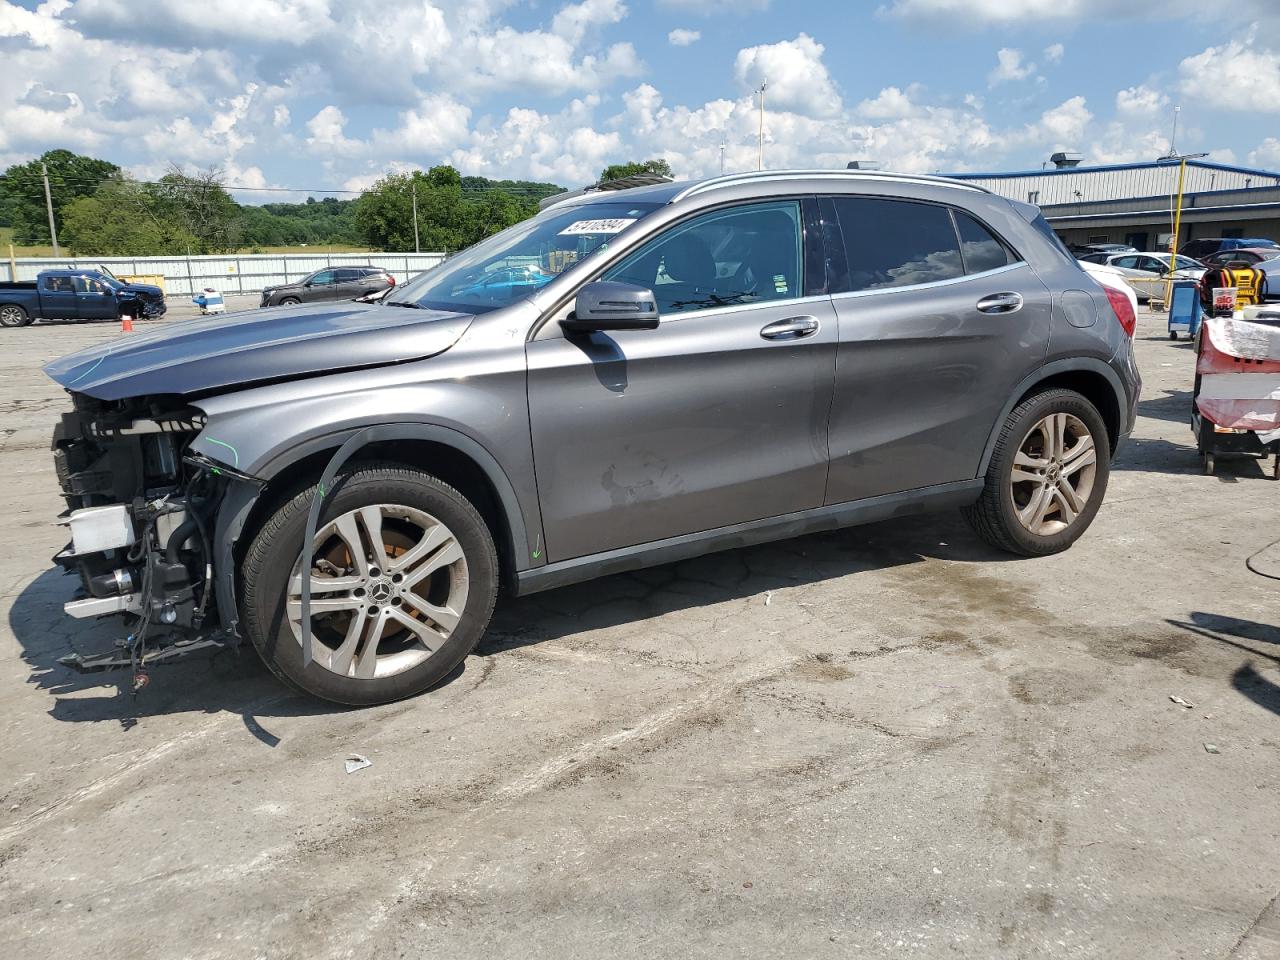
<point>615,225</point>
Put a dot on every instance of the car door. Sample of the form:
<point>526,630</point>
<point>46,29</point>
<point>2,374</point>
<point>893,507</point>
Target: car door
<point>939,319</point>
<point>716,417</point>
<point>347,284</point>
<point>322,285</point>
<point>58,298</point>
<point>94,299</point>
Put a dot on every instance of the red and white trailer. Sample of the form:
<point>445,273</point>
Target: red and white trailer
<point>1236,409</point>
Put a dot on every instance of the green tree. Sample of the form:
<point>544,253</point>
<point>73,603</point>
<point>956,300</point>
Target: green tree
<point>123,218</point>
<point>71,176</point>
<point>201,208</point>
<point>450,216</point>
<point>617,171</point>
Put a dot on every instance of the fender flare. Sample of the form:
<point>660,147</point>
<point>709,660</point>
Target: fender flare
<point>1067,365</point>
<point>241,496</point>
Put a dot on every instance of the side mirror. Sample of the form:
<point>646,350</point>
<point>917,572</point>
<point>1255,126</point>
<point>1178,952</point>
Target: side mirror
<point>610,305</point>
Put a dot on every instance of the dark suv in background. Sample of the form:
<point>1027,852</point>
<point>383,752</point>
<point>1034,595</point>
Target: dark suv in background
<point>332,283</point>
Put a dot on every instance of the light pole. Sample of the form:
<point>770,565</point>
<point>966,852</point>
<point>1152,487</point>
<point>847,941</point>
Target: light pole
<point>764,85</point>
<point>414,182</point>
<point>1177,215</point>
<point>722,158</point>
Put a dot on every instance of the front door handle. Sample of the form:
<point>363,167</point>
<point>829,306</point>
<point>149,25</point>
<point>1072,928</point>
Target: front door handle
<point>792,328</point>
<point>1000,303</point>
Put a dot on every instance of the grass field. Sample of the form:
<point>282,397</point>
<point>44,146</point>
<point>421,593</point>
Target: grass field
<point>19,250</point>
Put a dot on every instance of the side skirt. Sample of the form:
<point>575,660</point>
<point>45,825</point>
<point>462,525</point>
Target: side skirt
<point>785,527</point>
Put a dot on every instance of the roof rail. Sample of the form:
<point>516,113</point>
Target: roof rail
<point>715,183</point>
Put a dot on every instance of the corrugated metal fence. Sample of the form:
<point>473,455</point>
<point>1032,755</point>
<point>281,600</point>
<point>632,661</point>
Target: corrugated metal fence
<point>231,274</point>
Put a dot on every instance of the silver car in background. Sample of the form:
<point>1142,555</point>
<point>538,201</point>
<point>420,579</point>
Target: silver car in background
<point>698,366</point>
<point>1149,269</point>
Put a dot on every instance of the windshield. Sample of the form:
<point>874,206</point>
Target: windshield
<point>517,262</point>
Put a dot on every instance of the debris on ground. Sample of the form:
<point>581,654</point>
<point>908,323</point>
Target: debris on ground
<point>1182,703</point>
<point>356,762</point>
<point>1211,748</point>
<point>768,597</point>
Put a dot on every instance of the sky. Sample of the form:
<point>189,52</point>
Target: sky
<point>332,94</point>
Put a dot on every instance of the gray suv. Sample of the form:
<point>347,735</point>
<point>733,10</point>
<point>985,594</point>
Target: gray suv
<point>628,378</point>
<point>331,283</point>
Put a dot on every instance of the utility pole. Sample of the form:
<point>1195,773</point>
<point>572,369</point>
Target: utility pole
<point>1177,217</point>
<point>48,202</point>
<point>722,158</point>
<point>1174,135</point>
<point>416,248</point>
<point>764,84</point>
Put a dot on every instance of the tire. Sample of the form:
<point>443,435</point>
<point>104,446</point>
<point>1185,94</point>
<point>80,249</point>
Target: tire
<point>289,302</point>
<point>12,315</point>
<point>405,500</point>
<point>1173,334</point>
<point>995,517</point>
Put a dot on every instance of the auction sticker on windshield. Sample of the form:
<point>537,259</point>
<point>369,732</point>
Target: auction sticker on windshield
<point>615,225</point>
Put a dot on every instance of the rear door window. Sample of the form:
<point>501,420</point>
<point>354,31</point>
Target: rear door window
<point>347,276</point>
<point>979,246</point>
<point>896,243</point>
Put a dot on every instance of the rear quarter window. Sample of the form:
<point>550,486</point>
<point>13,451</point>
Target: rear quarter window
<point>896,243</point>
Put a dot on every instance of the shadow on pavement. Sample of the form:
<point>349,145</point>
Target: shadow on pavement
<point>1246,680</point>
<point>238,682</point>
<point>732,575</point>
<point>235,682</point>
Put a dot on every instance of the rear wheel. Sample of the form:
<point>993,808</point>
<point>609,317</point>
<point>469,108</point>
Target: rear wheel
<point>12,315</point>
<point>1046,478</point>
<point>404,576</point>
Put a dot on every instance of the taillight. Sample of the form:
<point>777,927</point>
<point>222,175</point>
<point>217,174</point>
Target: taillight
<point>392,279</point>
<point>1123,309</point>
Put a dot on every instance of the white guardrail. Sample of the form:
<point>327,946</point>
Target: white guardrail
<point>229,274</point>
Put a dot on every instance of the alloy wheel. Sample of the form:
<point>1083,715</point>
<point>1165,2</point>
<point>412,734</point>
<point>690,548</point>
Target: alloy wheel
<point>388,586</point>
<point>11,316</point>
<point>1053,474</point>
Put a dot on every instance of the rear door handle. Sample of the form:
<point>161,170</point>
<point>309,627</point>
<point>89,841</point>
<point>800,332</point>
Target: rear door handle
<point>792,328</point>
<point>1001,303</point>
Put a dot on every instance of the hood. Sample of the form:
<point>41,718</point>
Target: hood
<point>143,289</point>
<point>237,349</point>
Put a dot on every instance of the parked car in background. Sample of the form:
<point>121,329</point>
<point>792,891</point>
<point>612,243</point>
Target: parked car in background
<point>1112,279</point>
<point>1202,249</point>
<point>707,365</point>
<point>1085,249</point>
<point>1250,255</point>
<point>1147,268</point>
<point>331,283</point>
<point>76,294</point>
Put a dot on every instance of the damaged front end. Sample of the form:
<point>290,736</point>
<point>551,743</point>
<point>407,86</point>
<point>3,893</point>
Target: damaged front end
<point>141,509</point>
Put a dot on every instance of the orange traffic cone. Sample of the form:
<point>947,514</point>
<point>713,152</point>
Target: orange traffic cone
<point>126,323</point>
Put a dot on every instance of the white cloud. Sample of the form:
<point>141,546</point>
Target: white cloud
<point>1234,76</point>
<point>1053,53</point>
<point>327,136</point>
<point>680,37</point>
<point>796,77</point>
<point>1064,125</point>
<point>1009,67</point>
<point>1266,154</point>
<point>889,104</point>
<point>1140,100</point>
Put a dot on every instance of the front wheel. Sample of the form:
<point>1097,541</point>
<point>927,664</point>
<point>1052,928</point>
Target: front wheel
<point>12,315</point>
<point>1046,478</point>
<point>404,577</point>
<point>290,302</point>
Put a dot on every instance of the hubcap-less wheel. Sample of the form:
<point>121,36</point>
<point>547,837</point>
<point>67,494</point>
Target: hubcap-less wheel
<point>1053,474</point>
<point>388,586</point>
<point>11,316</point>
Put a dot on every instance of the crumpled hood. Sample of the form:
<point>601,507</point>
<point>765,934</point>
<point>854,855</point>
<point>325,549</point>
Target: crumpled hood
<point>237,349</point>
<point>144,289</point>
